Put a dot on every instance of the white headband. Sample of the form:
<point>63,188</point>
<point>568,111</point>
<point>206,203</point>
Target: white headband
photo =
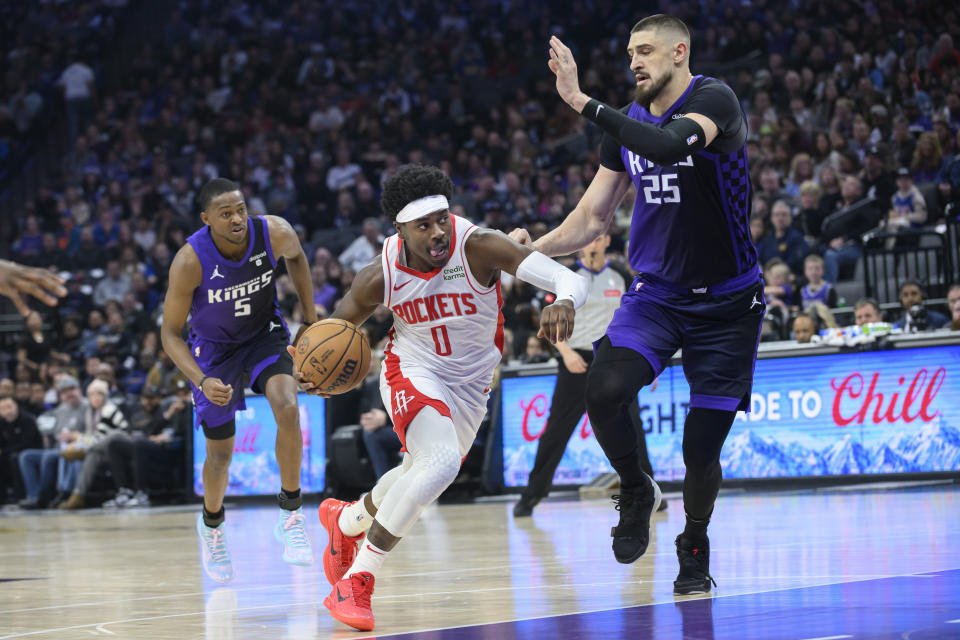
<point>422,207</point>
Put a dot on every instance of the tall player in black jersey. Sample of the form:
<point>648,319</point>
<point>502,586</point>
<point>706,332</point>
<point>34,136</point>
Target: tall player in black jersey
<point>682,143</point>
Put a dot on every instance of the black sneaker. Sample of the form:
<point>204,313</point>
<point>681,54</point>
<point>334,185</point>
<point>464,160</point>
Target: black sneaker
<point>524,507</point>
<point>694,557</point>
<point>632,534</point>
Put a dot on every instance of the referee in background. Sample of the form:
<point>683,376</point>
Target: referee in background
<point>569,403</point>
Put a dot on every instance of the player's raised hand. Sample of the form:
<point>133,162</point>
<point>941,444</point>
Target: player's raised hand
<point>565,68</point>
<point>217,392</point>
<point>305,385</point>
<point>521,236</point>
<point>556,321</point>
<point>16,279</point>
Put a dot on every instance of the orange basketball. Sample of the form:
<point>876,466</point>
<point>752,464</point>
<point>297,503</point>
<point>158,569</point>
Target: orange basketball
<point>334,355</point>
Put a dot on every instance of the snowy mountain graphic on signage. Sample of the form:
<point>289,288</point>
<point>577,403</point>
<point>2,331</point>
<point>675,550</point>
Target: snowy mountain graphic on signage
<point>935,447</point>
<point>846,457</point>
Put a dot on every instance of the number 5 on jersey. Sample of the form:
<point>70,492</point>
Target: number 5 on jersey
<point>241,307</point>
<point>441,340</point>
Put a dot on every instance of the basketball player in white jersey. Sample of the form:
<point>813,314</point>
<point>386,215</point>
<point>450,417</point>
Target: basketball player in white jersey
<point>440,275</point>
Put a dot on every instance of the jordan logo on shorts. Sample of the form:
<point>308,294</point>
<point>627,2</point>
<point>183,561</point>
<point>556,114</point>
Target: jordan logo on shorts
<point>400,402</point>
<point>755,301</point>
<point>216,273</point>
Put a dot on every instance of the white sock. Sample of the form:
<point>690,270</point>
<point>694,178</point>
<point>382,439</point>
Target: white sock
<point>369,559</point>
<point>355,519</point>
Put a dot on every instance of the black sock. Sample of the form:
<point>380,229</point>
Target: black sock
<point>213,519</point>
<point>628,467</point>
<point>289,500</point>
<point>696,529</point>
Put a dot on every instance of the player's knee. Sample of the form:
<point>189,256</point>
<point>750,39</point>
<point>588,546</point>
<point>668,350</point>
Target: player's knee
<point>219,460</point>
<point>606,392</point>
<point>287,414</point>
<point>439,468</point>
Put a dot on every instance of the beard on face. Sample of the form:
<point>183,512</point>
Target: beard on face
<point>648,93</point>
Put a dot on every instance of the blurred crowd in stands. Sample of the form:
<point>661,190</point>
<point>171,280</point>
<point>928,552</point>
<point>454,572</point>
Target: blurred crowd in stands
<point>854,113</point>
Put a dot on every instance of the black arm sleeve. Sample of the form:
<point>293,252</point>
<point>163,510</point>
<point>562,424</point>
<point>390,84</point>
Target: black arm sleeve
<point>667,145</point>
<point>717,101</point>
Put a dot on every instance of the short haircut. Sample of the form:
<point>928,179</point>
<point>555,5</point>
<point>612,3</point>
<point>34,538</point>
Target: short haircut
<point>812,258</point>
<point>663,22</point>
<point>913,283</point>
<point>806,316</point>
<point>7,396</point>
<point>866,302</point>
<point>953,287</point>
<point>214,188</point>
<point>809,186</point>
<point>412,182</point>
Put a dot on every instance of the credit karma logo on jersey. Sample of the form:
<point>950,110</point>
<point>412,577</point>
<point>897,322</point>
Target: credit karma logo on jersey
<point>239,290</point>
<point>435,307</point>
<point>454,272</point>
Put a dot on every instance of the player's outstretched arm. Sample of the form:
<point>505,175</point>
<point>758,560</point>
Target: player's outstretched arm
<point>185,276</point>
<point>590,218</point>
<point>285,243</point>
<point>662,145</point>
<point>491,251</point>
<point>16,279</point>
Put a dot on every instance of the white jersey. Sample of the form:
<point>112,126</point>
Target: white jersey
<point>444,320</point>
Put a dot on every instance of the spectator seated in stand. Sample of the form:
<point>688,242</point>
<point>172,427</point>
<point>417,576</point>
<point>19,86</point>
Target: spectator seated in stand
<point>148,451</point>
<point>842,229</point>
<point>103,420</point>
<point>916,316</point>
<point>45,470</point>
<point>783,241</point>
<point>866,311</point>
<point>953,303</point>
<point>816,289</point>
<point>18,432</point>
<point>804,328</point>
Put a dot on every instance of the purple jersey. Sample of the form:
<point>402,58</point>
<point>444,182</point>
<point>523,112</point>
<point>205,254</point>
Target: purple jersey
<point>809,297</point>
<point>235,300</point>
<point>691,220</point>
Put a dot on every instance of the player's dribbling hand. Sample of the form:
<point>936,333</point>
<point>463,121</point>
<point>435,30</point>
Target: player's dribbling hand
<point>305,385</point>
<point>16,279</point>
<point>556,321</point>
<point>217,392</point>
<point>521,236</point>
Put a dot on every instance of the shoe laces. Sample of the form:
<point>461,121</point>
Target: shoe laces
<point>362,587</point>
<point>217,546</point>
<point>629,503</point>
<point>296,533</point>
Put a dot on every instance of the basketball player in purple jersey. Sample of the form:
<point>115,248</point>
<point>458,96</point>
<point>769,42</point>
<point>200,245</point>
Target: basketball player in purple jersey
<point>682,144</point>
<point>224,278</point>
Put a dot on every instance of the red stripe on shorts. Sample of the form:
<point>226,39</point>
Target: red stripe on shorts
<point>405,399</point>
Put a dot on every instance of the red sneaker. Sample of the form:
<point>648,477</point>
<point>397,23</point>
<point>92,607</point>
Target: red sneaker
<point>342,549</point>
<point>349,602</point>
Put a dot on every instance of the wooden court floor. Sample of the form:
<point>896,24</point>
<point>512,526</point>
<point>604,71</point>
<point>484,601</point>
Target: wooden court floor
<point>852,563</point>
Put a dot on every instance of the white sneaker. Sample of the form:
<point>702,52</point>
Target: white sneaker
<point>120,501</point>
<point>139,499</point>
<point>216,558</point>
<point>291,532</point>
